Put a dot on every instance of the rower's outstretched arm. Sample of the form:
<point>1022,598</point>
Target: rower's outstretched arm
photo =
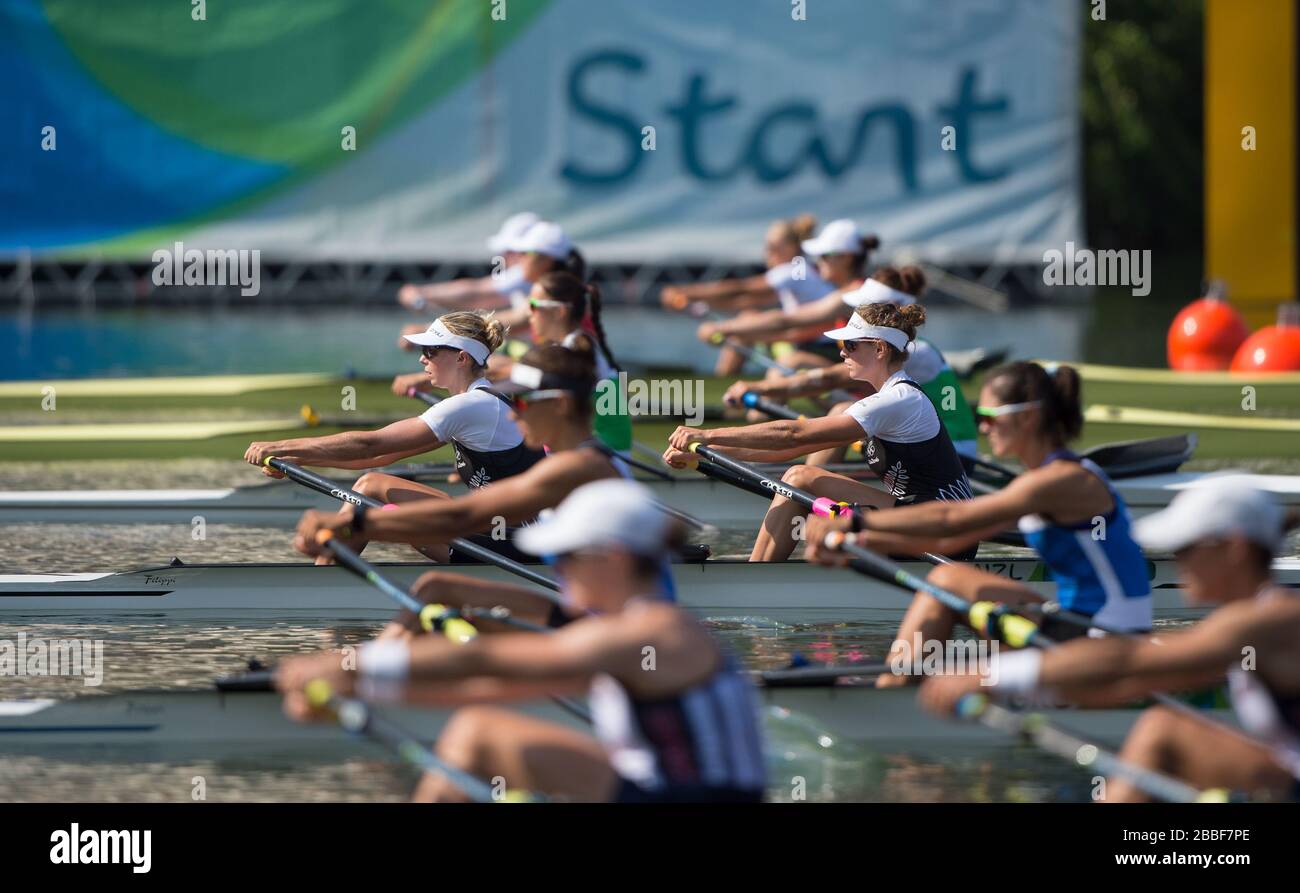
<point>516,499</point>
<point>1127,666</point>
<point>358,449</point>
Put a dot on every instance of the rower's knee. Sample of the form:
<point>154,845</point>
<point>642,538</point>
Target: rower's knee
<point>466,739</point>
<point>437,587</point>
<point>369,484</point>
<point>950,577</point>
<point>801,476</point>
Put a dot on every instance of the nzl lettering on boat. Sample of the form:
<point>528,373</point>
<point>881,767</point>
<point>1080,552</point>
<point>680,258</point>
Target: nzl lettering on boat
<point>656,397</point>
<point>1085,266</point>
<point>77,847</point>
<point>179,265</point>
<point>53,657</point>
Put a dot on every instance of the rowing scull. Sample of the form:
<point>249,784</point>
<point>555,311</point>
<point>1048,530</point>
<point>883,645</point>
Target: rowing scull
<point>712,588</point>
<point>281,503</point>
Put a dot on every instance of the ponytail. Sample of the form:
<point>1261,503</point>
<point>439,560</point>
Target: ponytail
<point>1059,394</point>
<point>593,304</point>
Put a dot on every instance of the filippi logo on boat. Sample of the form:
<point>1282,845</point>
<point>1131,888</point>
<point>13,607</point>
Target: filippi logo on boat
<point>179,265</point>
<point>53,657</point>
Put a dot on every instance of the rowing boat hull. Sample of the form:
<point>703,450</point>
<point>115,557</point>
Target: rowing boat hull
<point>714,588</point>
<point>281,503</point>
<point>211,722</point>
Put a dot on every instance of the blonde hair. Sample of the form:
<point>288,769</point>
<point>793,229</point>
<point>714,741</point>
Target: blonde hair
<point>907,319</point>
<point>481,325</point>
<point>797,229</point>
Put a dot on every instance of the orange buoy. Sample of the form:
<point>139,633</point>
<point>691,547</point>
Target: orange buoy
<point>1272,348</point>
<point>1205,335</point>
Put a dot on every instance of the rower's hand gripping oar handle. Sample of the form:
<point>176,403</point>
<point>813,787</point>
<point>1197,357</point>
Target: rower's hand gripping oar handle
<point>433,617</point>
<point>990,618</point>
<point>324,485</point>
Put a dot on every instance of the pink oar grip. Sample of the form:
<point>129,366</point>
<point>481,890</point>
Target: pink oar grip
<point>825,507</point>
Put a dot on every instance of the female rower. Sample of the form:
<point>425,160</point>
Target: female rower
<point>1065,506</point>
<point>925,364</point>
<point>841,253</point>
<point>553,408</point>
<point>495,292</point>
<point>540,248</point>
<point>687,732</point>
<point>1224,537</point>
<point>907,447</point>
<point>475,420</point>
<point>787,282</point>
<point>559,305</point>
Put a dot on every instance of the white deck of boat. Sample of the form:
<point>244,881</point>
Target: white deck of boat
<point>46,497</point>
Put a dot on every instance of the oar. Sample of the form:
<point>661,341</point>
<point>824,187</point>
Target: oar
<point>356,717</point>
<point>750,353</point>
<point>680,515</point>
<point>1059,742</point>
<point>991,618</point>
<point>769,407</point>
<point>818,505</point>
<point>423,396</point>
<point>314,481</point>
<point>757,482</point>
<point>433,617</point>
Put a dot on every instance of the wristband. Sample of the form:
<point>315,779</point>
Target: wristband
<point>387,660</point>
<point>420,302</point>
<point>359,517</point>
<point>1018,672</point>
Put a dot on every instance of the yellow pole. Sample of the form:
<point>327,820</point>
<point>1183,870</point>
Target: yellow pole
<point>1250,152</point>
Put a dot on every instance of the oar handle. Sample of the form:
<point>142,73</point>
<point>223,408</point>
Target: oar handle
<point>474,550</point>
<point>423,396</point>
<point>988,617</point>
<point>769,407</point>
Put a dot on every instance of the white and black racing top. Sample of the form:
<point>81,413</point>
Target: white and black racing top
<point>488,444</point>
<point>907,446</point>
<point>707,736</point>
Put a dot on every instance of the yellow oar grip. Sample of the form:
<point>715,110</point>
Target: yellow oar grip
<point>979,616</point>
<point>1016,630</point>
<point>430,616</point>
<point>693,447</point>
<point>459,630</point>
<point>324,536</point>
<point>267,461</point>
<point>318,693</point>
<point>1213,795</point>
